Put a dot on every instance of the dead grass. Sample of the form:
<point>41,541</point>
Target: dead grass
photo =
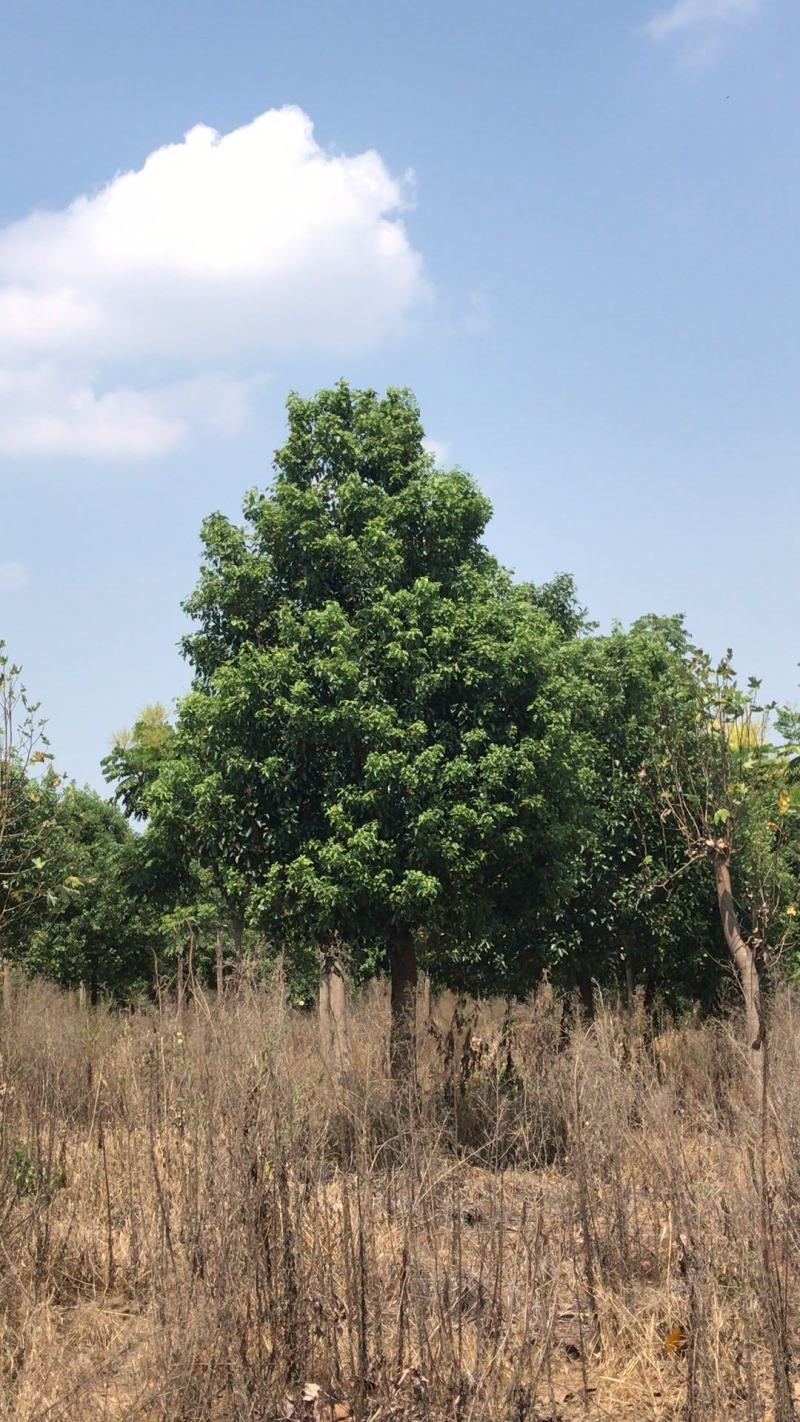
<point>197,1222</point>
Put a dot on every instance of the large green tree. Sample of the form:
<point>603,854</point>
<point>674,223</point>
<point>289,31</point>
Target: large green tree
<point>378,742</point>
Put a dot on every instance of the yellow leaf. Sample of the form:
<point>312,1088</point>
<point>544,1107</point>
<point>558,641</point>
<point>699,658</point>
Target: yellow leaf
<point>675,1339</point>
<point>783,802</point>
<point>791,910</point>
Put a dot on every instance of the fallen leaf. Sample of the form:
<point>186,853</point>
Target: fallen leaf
<point>675,1339</point>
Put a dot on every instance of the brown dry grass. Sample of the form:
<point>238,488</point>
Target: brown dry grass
<point>196,1222</point>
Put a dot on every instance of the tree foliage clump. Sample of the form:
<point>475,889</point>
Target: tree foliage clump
<point>99,930</point>
<point>379,731</point>
<point>395,754</point>
<point>632,916</point>
<point>24,822</point>
<point>729,788</point>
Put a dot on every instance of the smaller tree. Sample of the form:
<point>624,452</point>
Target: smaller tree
<point>24,822</point>
<point>628,916</point>
<point>98,928</point>
<point>725,784</point>
<point>137,758</point>
<point>197,907</point>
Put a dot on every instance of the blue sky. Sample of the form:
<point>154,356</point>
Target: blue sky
<point>570,227</point>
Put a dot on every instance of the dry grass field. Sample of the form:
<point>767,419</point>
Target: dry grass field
<point>198,1224</point>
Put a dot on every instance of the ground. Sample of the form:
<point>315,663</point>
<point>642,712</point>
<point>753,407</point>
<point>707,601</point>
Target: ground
<point>201,1221</point>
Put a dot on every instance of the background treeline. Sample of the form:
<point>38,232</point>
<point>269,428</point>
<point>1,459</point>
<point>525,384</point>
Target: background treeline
<point>395,756</point>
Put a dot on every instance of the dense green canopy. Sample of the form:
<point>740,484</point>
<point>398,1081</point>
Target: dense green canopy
<point>393,752</point>
<point>379,728</point>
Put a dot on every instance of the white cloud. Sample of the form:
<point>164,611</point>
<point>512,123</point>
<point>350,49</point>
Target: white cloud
<point>219,250</point>
<point>439,450</point>
<point>12,577</point>
<point>691,15</point>
<point>42,412</point>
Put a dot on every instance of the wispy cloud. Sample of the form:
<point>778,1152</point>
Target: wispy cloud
<point>439,449</point>
<point>690,17</point>
<point>220,252</point>
<point>45,410</point>
<point>12,577</point>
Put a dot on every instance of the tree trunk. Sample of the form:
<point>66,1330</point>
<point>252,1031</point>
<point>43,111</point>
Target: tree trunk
<point>630,984</point>
<point>627,944</point>
<point>425,998</point>
<point>403,1029</point>
<point>220,964</point>
<point>741,953</point>
<point>333,1033</point>
<point>82,995</point>
<point>586,990</point>
<point>8,989</point>
<point>190,960</point>
<point>179,1003</point>
<point>237,923</point>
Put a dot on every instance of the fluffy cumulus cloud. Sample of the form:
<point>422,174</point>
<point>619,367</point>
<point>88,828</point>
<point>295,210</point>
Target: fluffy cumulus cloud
<point>688,16</point>
<point>217,254</point>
